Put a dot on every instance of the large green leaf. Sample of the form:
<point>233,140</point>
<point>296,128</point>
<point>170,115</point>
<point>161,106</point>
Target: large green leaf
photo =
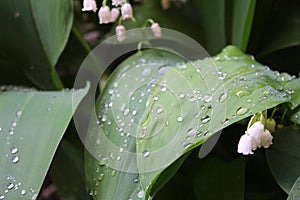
<point>119,109</point>
<point>201,98</point>
<point>243,12</point>
<point>215,179</point>
<point>295,192</point>
<point>33,35</point>
<point>284,158</point>
<point>32,124</point>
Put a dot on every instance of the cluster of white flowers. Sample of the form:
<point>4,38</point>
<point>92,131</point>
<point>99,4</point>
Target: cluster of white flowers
<point>256,136</point>
<point>107,15</point>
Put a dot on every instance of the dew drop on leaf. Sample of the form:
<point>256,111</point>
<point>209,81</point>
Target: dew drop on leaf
<point>23,192</point>
<point>14,150</point>
<point>208,99</point>
<point>146,72</point>
<point>179,119</point>
<point>146,153</point>
<point>205,119</point>
<point>223,97</point>
<point>163,69</point>
<point>15,159</point>
<point>159,110</point>
<point>191,132</point>
<point>10,186</point>
<point>241,111</point>
<point>141,194</point>
<point>2,196</point>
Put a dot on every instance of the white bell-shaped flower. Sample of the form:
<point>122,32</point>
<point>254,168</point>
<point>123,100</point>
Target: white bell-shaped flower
<point>255,132</point>
<point>156,30</point>
<point>104,15</point>
<point>266,139</point>
<point>245,145</point>
<point>89,5</point>
<point>114,14</point>
<point>270,124</point>
<point>126,11</point>
<point>120,32</point>
<point>117,2</point>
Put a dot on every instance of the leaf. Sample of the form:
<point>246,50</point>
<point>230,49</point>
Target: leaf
<point>243,12</point>
<point>211,17</point>
<point>119,109</point>
<point>295,191</point>
<point>67,172</point>
<point>283,157</point>
<point>202,97</point>
<point>32,124</point>
<point>283,28</point>
<point>215,179</point>
<point>34,35</point>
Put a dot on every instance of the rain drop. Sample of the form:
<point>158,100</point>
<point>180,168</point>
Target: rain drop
<point>241,111</point>
<point>14,150</point>
<point>192,99</point>
<point>15,159</point>
<point>155,98</point>
<point>163,69</point>
<point>223,97</point>
<point>34,196</point>
<point>208,99</point>
<point>103,118</point>
<point>179,119</point>
<point>23,192</point>
<point>113,172</point>
<point>141,194</point>
<point>225,121</point>
<point>205,119</point>
<point>146,153</point>
<point>2,196</point>
<point>134,112</point>
<point>191,132</point>
<point>146,71</point>
<point>14,124</point>
<point>163,89</point>
<point>159,110</point>
<point>126,111</point>
<point>181,95</point>
<point>10,186</point>
<point>101,177</point>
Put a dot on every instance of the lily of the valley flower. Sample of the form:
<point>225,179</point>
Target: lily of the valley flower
<point>156,30</point>
<point>271,124</point>
<point>255,136</point>
<point>126,11</point>
<point>114,14</point>
<point>104,15</point>
<point>245,145</point>
<point>89,5</point>
<point>117,2</point>
<point>120,32</point>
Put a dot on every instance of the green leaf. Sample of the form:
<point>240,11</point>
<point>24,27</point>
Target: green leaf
<point>295,191</point>
<point>283,28</point>
<point>215,179</point>
<point>32,124</point>
<point>67,172</point>
<point>243,12</point>
<point>34,35</point>
<point>119,109</point>
<point>283,157</point>
<point>211,17</point>
<point>202,97</point>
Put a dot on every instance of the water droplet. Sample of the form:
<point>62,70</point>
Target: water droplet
<point>241,111</point>
<point>126,111</point>
<point>163,89</point>
<point>208,99</point>
<point>159,110</point>
<point>11,132</point>
<point>15,159</point>
<point>2,196</point>
<point>110,91</point>
<point>225,121</point>
<point>146,153</point>
<point>146,71</point>
<point>141,194</point>
<point>101,177</point>
<point>13,150</point>
<point>192,99</point>
<point>181,95</point>
<point>205,119</point>
<point>10,186</point>
<point>248,100</point>
<point>179,119</point>
<point>192,132</point>
<point>155,98</point>
<point>23,192</point>
<point>134,112</point>
<point>136,180</point>
<point>14,124</point>
<point>34,196</point>
<point>223,97</point>
<point>113,172</point>
<point>104,118</point>
<point>163,69</point>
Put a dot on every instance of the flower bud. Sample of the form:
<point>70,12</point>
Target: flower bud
<point>89,5</point>
<point>156,30</point>
<point>266,139</point>
<point>104,15</point>
<point>245,145</point>
<point>126,11</point>
<point>271,124</point>
<point>114,14</point>
<point>120,32</point>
